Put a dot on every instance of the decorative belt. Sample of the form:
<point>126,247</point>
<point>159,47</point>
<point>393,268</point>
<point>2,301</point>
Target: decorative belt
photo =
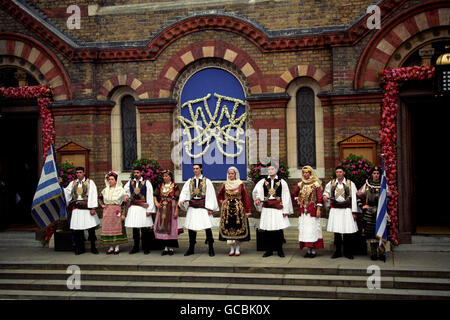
<point>198,204</point>
<point>273,204</point>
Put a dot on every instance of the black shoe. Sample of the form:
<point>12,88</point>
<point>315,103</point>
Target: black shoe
<point>78,251</point>
<point>281,254</point>
<point>189,252</point>
<point>308,255</point>
<point>134,250</point>
<point>146,251</point>
<point>382,258</point>
<point>267,254</point>
<point>348,256</point>
<point>116,252</point>
<point>312,255</point>
<point>336,255</point>
<point>171,252</point>
<point>373,257</point>
<point>211,251</point>
<point>94,250</point>
<point>164,252</point>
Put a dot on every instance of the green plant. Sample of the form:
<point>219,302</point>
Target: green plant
<point>356,168</point>
<point>151,170</point>
<point>67,173</point>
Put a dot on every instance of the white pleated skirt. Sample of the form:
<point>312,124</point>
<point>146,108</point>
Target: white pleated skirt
<point>198,219</point>
<point>341,221</point>
<point>309,228</point>
<point>137,218</point>
<point>272,219</point>
<point>82,220</point>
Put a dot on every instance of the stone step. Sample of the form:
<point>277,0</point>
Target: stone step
<point>82,295</point>
<point>231,269</point>
<point>239,278</point>
<point>226,289</point>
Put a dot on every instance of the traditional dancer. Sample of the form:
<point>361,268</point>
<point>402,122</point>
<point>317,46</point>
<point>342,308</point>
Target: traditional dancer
<point>341,193</point>
<point>113,228</point>
<point>308,194</point>
<point>272,198</point>
<point>166,220</point>
<point>198,197</point>
<point>235,209</point>
<point>141,206</point>
<point>81,195</point>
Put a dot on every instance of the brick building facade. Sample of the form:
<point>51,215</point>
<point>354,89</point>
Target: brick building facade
<point>148,49</point>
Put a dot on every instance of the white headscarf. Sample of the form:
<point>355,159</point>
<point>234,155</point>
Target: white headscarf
<point>115,193</point>
<point>233,184</point>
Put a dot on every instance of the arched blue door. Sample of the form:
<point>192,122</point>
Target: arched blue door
<point>212,121</point>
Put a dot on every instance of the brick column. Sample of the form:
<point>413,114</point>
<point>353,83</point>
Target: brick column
<point>87,123</point>
<point>156,129</point>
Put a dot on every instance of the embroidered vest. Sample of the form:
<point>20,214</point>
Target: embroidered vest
<point>198,192</point>
<point>275,191</point>
<point>139,191</point>
<point>347,191</point>
<point>78,190</point>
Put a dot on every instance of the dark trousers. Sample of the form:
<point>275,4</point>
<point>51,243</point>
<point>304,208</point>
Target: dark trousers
<point>274,240</point>
<point>193,237</point>
<point>78,236</point>
<point>345,241</point>
<point>144,234</point>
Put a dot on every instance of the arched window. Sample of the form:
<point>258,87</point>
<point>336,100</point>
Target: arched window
<point>306,132</point>
<point>129,138</point>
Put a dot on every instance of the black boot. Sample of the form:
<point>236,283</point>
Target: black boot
<point>348,246</point>
<point>79,241</point>
<point>210,241</point>
<point>192,238</point>
<point>92,238</point>
<point>137,239</point>
<point>374,251</point>
<point>146,240</point>
<point>338,243</point>
<point>268,241</point>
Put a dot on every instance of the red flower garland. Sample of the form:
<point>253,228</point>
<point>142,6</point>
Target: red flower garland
<point>42,93</point>
<point>388,132</point>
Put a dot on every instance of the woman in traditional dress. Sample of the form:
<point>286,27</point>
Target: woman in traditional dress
<point>308,194</point>
<point>234,212</point>
<point>166,222</point>
<point>113,229</point>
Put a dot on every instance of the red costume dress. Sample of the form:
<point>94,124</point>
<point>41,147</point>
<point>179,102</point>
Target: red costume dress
<point>309,197</point>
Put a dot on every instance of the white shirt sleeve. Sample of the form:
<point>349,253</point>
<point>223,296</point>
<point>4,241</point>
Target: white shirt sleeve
<point>327,190</point>
<point>185,194</point>
<point>258,193</point>
<point>210,197</point>
<point>150,201</point>
<point>68,192</point>
<point>286,198</point>
<point>127,188</point>
<point>355,207</point>
<point>92,196</point>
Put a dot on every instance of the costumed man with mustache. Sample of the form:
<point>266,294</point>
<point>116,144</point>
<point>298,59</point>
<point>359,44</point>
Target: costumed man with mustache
<point>272,198</point>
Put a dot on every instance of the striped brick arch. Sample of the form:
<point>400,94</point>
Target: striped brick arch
<point>208,49</point>
<point>322,77</point>
<point>380,49</point>
<point>105,90</point>
<point>36,59</point>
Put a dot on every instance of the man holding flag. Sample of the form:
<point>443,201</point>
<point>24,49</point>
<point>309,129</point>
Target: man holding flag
<point>49,202</point>
<point>382,216</point>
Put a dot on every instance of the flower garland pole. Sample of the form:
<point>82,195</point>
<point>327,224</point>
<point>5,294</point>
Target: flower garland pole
<point>42,93</point>
<point>391,79</point>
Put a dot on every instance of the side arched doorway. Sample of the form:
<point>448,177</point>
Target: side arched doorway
<point>21,150</point>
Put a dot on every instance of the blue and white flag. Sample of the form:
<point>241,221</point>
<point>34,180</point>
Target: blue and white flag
<point>49,202</point>
<point>381,226</point>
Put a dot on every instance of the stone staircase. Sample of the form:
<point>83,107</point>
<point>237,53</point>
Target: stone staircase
<point>126,281</point>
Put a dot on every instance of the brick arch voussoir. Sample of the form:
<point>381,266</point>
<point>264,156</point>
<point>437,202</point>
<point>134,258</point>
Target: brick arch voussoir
<point>394,34</point>
<point>41,58</point>
<point>208,49</point>
<point>323,78</point>
<point>106,90</point>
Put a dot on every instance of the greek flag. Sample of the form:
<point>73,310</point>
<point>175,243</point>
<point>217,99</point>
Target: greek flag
<point>381,226</point>
<point>49,202</point>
